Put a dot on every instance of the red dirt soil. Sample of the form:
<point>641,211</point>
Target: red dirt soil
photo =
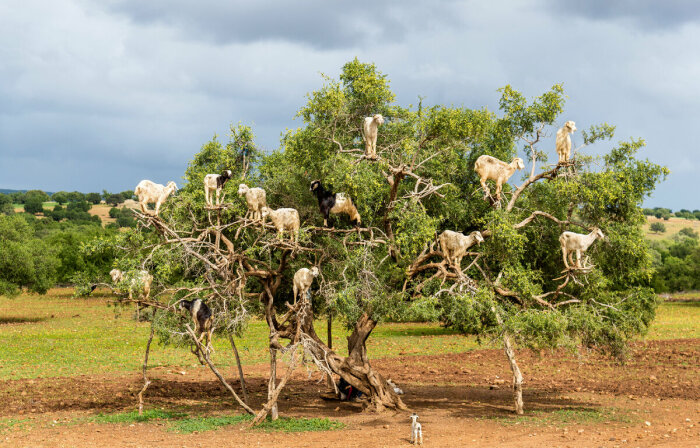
<point>462,400</point>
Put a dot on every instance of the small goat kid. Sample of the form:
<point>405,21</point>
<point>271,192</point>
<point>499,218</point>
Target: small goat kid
<point>336,203</point>
<point>148,191</point>
<point>283,219</point>
<point>563,141</point>
<point>303,279</point>
<point>202,318</point>
<point>416,430</point>
<point>454,245</point>
<point>575,242</point>
<point>370,130</point>
<point>215,182</point>
<point>491,168</point>
<point>256,198</point>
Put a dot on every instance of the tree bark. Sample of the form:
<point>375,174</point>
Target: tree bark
<point>271,395</point>
<point>240,370</point>
<point>517,375</point>
<point>146,381</point>
<point>355,368</point>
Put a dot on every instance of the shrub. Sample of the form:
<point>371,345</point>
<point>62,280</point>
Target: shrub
<point>33,205</point>
<point>657,227</point>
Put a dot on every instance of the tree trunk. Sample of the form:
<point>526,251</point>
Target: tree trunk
<point>146,381</point>
<point>240,370</point>
<point>356,369</point>
<point>274,414</point>
<point>517,376</point>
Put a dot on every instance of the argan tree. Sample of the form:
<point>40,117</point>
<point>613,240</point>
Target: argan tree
<point>512,288</point>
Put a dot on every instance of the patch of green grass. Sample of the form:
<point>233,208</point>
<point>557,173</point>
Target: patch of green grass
<point>565,417</point>
<point>13,423</point>
<point>55,335</point>
<point>676,320</point>
<point>134,417</point>
<point>182,423</point>
<point>289,424</point>
<point>201,424</point>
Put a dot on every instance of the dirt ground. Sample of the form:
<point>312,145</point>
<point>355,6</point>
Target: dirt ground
<point>463,400</point>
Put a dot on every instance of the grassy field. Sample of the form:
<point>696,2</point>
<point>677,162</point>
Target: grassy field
<point>673,226</point>
<point>101,210</point>
<point>55,336</point>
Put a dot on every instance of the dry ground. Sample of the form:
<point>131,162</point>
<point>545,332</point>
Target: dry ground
<point>572,401</point>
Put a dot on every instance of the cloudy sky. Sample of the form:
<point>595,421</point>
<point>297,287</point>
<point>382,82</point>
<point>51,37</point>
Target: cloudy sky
<point>101,94</point>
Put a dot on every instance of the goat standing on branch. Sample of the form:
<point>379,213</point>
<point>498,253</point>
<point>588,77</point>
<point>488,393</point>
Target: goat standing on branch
<point>454,245</point>
<point>202,317</point>
<point>370,130</point>
<point>140,282</point>
<point>335,203</point>
<point>488,167</point>
<point>215,182</point>
<point>256,198</point>
<point>303,279</point>
<point>148,191</point>
<point>564,141</point>
<point>284,219</point>
<point>577,242</point>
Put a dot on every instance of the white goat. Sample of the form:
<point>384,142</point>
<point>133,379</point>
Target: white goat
<point>283,219</point>
<point>140,282</point>
<point>343,204</point>
<point>491,168</point>
<point>416,430</point>
<point>454,245</point>
<point>579,243</point>
<point>302,281</point>
<point>148,191</point>
<point>563,141</point>
<point>397,390</point>
<point>256,198</point>
<point>215,182</point>
<point>370,128</point>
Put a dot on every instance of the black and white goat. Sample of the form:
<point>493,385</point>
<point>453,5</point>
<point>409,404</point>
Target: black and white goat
<point>330,202</point>
<point>202,318</point>
<point>215,182</point>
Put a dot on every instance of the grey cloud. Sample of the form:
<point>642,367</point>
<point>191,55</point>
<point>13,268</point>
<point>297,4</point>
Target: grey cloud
<point>320,24</point>
<point>654,14</point>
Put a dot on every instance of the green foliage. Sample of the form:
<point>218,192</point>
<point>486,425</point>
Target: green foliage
<point>25,260</point>
<point>33,205</point>
<point>658,227</point>
<point>677,263</point>
<point>689,232</point>
<point>6,207</point>
<point>60,196</point>
<point>114,199</point>
<point>94,198</point>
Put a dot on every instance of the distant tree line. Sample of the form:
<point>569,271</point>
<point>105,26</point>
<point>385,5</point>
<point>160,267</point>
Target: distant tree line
<point>667,213</point>
<point>37,254</point>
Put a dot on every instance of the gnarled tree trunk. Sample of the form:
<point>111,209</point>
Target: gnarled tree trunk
<point>355,368</point>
